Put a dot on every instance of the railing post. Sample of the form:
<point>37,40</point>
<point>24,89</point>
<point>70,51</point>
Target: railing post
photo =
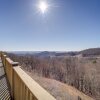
<point>13,64</point>
<point>0,53</point>
<point>4,61</point>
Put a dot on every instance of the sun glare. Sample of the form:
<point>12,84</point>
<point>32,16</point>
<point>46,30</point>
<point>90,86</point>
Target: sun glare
<point>43,6</point>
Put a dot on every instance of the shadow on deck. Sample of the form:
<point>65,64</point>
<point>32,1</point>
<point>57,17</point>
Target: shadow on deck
<point>4,87</point>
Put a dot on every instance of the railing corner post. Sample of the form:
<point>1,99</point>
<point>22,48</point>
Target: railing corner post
<point>4,60</point>
<point>13,64</point>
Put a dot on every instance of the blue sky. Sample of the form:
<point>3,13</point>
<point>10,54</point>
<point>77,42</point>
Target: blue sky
<point>67,25</point>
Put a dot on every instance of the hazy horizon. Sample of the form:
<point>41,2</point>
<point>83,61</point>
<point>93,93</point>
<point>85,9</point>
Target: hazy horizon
<point>48,50</point>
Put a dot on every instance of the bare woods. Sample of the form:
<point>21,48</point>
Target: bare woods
<point>81,72</point>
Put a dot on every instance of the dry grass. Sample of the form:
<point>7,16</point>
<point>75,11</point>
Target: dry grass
<point>59,90</point>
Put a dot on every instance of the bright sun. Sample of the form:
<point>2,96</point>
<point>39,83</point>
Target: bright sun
<point>43,6</point>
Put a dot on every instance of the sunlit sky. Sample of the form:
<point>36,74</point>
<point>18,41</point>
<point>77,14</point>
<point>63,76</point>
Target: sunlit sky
<point>66,25</point>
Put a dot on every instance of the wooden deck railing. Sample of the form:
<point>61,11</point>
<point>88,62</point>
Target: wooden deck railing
<point>23,87</point>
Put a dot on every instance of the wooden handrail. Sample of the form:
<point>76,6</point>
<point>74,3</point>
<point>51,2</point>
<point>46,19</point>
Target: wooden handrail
<point>23,87</point>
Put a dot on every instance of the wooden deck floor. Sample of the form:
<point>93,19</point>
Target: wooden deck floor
<point>4,87</point>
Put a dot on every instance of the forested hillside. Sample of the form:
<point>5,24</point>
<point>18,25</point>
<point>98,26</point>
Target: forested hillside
<point>82,73</point>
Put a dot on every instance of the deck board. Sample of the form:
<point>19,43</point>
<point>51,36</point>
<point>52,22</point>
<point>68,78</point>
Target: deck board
<point>4,87</point>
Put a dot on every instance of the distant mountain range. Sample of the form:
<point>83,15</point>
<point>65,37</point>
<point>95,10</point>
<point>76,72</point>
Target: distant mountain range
<point>87,52</point>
